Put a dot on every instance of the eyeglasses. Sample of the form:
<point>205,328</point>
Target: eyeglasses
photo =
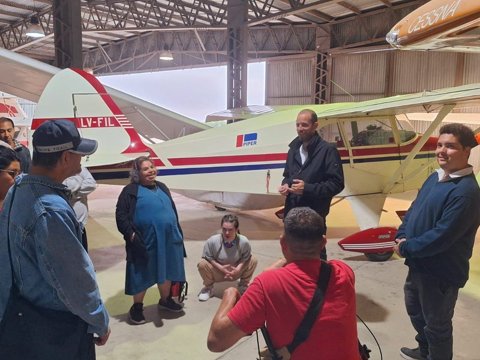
<point>12,173</point>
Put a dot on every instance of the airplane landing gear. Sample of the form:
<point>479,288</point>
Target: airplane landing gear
<point>383,256</point>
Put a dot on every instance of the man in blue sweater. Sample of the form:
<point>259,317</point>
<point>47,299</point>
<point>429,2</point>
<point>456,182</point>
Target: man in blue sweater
<point>436,239</point>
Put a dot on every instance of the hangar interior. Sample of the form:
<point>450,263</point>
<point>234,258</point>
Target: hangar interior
<point>316,51</point>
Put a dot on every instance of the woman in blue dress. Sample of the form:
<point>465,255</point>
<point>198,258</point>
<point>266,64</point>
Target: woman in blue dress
<point>147,218</point>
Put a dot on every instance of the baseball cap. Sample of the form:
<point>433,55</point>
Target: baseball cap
<point>61,135</point>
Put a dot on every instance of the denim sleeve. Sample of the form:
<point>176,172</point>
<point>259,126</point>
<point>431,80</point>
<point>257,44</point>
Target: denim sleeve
<point>6,273</point>
<point>66,266</point>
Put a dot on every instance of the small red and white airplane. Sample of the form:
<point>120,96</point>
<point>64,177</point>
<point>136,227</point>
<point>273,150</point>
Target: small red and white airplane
<point>240,165</point>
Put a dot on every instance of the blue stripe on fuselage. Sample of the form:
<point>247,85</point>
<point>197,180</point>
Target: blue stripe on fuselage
<point>218,169</point>
<point>231,168</point>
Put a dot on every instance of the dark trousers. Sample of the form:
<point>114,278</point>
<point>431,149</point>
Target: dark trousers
<point>430,303</point>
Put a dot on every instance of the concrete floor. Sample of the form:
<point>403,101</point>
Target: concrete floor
<point>183,336</point>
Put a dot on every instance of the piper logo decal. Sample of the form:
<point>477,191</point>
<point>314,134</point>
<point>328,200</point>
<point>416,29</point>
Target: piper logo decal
<point>247,140</point>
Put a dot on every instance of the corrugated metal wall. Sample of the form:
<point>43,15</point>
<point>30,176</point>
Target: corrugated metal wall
<point>290,82</point>
<point>472,69</point>
<point>358,77</point>
<point>418,71</point>
<point>369,75</point>
<point>365,75</point>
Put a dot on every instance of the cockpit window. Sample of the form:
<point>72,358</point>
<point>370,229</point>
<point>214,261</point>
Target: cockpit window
<point>372,132</point>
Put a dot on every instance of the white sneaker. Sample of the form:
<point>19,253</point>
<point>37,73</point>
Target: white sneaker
<point>205,294</point>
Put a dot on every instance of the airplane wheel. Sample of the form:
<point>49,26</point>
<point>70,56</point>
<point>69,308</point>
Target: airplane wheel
<point>384,256</point>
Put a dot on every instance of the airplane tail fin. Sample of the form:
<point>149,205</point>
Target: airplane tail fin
<point>76,95</point>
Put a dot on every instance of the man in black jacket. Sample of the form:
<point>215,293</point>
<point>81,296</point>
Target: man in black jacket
<point>313,173</point>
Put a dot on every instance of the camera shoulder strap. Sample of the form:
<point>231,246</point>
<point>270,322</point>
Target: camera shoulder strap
<point>314,308</point>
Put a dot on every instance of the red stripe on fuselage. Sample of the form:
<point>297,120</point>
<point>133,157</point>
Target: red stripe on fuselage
<point>378,151</point>
<point>430,145</point>
<point>208,160</point>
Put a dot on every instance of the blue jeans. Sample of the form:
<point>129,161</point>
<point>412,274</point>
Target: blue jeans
<point>430,303</point>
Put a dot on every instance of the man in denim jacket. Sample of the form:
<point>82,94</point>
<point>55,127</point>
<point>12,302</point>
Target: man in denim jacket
<point>51,268</point>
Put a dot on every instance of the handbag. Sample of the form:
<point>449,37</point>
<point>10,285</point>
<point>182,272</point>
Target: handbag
<point>178,291</point>
<point>303,330</point>
<point>29,332</point>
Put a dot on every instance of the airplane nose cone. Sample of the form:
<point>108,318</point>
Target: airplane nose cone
<point>392,38</point>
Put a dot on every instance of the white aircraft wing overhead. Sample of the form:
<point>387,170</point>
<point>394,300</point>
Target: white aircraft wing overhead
<point>22,76</point>
<point>153,121</point>
<point>26,78</point>
<point>428,101</point>
<point>244,113</point>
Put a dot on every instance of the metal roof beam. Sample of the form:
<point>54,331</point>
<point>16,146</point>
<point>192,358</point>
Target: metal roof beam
<point>10,13</point>
<point>350,7</point>
<point>17,5</point>
<point>386,2</point>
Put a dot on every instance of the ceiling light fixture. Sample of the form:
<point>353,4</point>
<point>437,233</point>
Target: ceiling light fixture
<point>34,30</point>
<point>166,55</point>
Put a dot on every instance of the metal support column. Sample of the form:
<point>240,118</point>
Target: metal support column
<point>237,53</point>
<point>322,79</point>
<point>323,64</point>
<point>67,27</point>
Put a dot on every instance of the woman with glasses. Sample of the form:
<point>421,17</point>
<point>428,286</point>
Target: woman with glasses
<point>9,169</point>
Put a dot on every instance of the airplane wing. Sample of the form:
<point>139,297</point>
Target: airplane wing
<point>243,113</point>
<point>428,101</point>
<point>26,78</point>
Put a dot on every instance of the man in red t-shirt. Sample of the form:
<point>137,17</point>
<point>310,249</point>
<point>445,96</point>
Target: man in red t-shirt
<point>279,298</point>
